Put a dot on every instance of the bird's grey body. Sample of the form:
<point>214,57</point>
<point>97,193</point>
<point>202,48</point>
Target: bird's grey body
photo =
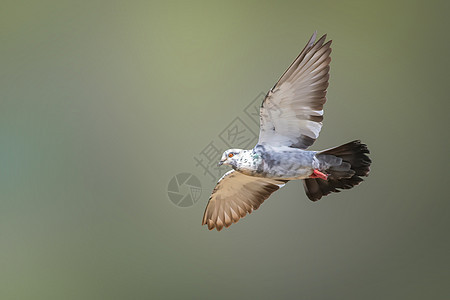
<point>290,121</point>
<point>275,162</point>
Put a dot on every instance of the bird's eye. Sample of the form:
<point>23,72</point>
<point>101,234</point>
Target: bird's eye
<point>230,155</point>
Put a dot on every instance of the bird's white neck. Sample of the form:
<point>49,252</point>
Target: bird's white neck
<point>248,162</point>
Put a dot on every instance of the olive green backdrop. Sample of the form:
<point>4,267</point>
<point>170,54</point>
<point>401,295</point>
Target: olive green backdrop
<point>103,102</point>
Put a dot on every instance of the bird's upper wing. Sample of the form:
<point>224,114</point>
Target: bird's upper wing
<point>234,196</point>
<point>292,112</point>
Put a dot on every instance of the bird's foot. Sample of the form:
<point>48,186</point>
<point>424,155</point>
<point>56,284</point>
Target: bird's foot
<point>318,174</point>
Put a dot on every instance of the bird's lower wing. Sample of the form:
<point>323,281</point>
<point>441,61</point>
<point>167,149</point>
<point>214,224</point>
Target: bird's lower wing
<point>235,196</point>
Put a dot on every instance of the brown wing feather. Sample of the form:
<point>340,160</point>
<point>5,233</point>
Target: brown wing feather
<point>235,196</point>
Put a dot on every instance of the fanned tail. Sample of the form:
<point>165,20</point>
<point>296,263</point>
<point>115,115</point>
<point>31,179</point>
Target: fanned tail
<point>346,164</point>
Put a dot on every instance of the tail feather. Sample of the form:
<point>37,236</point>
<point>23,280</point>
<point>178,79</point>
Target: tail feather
<point>354,153</point>
<point>354,163</point>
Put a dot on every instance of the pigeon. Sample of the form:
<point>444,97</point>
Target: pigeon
<point>290,121</point>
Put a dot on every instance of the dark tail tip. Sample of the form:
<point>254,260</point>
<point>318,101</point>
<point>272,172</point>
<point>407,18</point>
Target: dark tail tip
<point>356,154</point>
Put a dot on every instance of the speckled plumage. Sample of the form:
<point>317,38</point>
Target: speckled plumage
<point>273,162</point>
<point>290,121</point>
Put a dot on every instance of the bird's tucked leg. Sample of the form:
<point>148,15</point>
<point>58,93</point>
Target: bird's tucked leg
<point>318,174</point>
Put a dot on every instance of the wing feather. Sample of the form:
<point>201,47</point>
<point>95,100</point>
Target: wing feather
<point>292,112</point>
<point>235,196</point>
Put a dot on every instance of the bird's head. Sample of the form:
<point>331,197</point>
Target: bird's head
<point>230,157</point>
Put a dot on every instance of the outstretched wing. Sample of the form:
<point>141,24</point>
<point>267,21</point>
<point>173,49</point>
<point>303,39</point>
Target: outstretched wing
<point>292,112</point>
<point>236,195</point>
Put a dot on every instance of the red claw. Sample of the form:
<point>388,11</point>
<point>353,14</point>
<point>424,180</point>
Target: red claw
<point>318,174</point>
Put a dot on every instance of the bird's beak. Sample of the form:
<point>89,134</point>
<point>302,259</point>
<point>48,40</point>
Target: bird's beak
<point>221,162</point>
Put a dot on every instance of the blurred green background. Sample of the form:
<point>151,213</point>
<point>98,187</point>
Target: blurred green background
<point>102,102</point>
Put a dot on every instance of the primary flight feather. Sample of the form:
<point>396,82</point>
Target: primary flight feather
<point>290,121</point>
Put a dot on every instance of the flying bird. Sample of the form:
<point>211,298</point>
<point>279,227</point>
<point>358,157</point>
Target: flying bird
<point>290,121</point>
